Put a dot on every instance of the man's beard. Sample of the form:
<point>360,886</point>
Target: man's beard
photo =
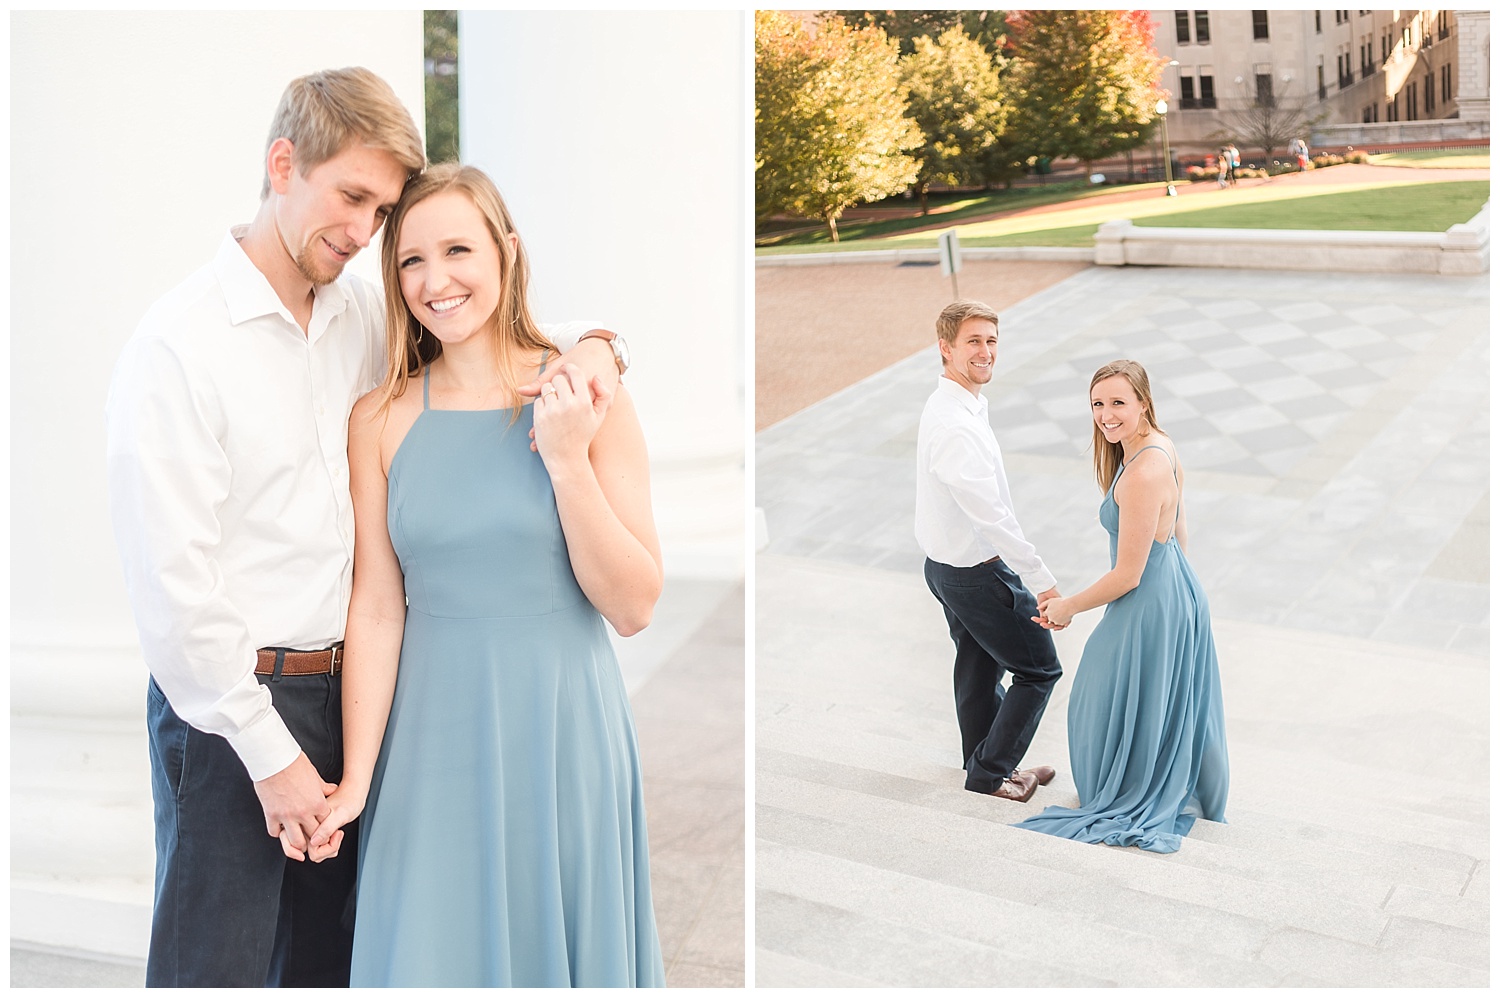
<point>307,266</point>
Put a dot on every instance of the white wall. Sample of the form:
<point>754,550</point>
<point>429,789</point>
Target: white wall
<point>618,141</point>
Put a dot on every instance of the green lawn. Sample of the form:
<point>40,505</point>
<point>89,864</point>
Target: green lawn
<point>1403,208</point>
<point>802,236</point>
<point>1429,207</point>
<point>1436,159</point>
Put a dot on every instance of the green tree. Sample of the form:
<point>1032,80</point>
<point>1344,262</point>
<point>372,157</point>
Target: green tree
<point>440,62</point>
<point>954,88</point>
<point>1087,85</point>
<point>984,26</point>
<point>830,125</point>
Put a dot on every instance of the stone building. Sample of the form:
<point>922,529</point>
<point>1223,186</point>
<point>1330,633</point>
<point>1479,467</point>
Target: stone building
<point>1326,70</point>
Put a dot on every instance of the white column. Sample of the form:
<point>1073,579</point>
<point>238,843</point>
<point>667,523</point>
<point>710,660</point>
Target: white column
<point>619,142</point>
<point>137,139</point>
<point>1473,64</point>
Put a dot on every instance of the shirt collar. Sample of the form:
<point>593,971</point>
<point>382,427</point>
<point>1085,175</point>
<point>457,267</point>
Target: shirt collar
<point>249,295</point>
<point>975,404</point>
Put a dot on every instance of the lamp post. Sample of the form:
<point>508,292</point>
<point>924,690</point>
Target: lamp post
<point>1166,148</point>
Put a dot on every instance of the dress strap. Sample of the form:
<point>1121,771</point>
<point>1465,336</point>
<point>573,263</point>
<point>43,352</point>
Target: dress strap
<point>426,376</point>
<point>1175,481</point>
<point>542,364</point>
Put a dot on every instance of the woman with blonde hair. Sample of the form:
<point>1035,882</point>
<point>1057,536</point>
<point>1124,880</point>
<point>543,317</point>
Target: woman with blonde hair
<point>1145,715</point>
<point>488,740</point>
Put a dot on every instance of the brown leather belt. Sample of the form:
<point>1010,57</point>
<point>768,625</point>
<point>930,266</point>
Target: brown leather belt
<point>990,561</point>
<point>299,663</point>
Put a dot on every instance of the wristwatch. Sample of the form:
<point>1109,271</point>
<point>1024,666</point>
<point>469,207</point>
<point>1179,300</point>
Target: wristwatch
<point>616,343</point>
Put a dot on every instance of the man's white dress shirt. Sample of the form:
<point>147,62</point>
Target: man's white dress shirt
<point>965,515</point>
<point>228,472</point>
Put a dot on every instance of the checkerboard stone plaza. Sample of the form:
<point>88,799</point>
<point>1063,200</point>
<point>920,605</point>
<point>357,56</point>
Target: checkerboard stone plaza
<point>1335,432</point>
<point>1337,423</point>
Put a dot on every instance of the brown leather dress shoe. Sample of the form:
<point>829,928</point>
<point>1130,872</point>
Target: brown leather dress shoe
<point>1019,787</point>
<point>1043,774</point>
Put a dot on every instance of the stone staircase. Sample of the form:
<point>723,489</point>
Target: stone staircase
<point>1355,850</point>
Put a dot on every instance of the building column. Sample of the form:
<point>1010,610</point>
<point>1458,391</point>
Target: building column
<point>620,143</point>
<point>1473,64</point>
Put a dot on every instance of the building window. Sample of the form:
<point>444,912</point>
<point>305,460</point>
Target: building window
<point>1264,95</point>
<point>1442,24</point>
<point>1183,37</point>
<point>1322,87</point>
<point>1200,21</point>
<point>1385,44</point>
<point>1406,36</point>
<point>1318,21</point>
<point>1411,102</point>
<point>1447,83</point>
<point>1390,110</point>
<point>1206,88</point>
<point>1259,24</point>
<point>1189,99</point>
<point>1364,115</point>
<point>1429,94</point>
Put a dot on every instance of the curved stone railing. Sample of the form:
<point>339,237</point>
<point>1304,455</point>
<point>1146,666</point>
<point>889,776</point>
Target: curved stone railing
<point>1462,249</point>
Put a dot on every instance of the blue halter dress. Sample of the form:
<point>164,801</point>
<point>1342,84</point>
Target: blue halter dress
<point>504,842</point>
<point>1146,716</point>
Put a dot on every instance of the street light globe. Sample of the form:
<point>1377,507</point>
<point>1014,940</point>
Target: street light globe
<point>1161,107</point>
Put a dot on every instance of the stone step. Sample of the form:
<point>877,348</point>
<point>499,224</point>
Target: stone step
<point>961,935</point>
<point>1440,815</point>
<point>1190,896</point>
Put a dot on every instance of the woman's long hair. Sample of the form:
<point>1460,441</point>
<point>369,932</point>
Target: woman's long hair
<point>409,346</point>
<point>1107,456</point>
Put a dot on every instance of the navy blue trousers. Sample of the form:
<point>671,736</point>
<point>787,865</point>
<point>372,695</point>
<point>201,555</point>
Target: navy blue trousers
<point>989,616</point>
<point>231,910</point>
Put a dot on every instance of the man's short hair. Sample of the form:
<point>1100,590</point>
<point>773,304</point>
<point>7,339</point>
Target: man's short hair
<point>321,113</point>
<point>955,315</point>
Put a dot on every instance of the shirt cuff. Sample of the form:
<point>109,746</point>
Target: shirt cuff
<point>265,746</point>
<point>1039,581</point>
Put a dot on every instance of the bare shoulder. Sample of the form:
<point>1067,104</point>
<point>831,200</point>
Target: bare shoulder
<point>621,427</point>
<point>377,426</point>
<point>1150,474</point>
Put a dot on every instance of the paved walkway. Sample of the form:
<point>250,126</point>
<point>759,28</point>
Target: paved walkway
<point>1335,432</point>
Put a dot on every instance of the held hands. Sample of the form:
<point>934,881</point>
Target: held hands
<point>1054,611</point>
<point>345,804</point>
<point>568,412</point>
<point>294,802</point>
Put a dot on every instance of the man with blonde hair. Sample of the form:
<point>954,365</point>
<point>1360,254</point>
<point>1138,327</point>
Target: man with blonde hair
<point>980,566</point>
<point>229,490</point>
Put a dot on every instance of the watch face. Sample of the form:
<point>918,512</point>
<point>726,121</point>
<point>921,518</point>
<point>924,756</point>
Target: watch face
<point>622,353</point>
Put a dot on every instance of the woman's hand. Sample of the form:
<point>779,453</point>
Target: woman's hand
<point>344,807</point>
<point>566,416</point>
<point>1055,613</point>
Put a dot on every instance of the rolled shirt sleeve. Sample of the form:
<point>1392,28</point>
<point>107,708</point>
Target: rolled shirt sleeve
<point>960,462</point>
<point>566,334</point>
<point>168,476</point>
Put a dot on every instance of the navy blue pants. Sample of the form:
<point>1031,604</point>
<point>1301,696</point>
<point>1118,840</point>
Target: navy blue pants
<point>231,909</point>
<point>989,616</point>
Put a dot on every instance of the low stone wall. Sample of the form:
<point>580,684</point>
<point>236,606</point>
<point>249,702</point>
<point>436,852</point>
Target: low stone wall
<point>1463,249</point>
<point>1375,135</point>
<point>1074,253</point>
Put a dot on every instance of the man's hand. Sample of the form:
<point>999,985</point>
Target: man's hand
<point>596,358</point>
<point>294,801</point>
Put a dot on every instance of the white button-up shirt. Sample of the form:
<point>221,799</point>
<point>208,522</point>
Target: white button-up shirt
<point>965,515</point>
<point>228,471</point>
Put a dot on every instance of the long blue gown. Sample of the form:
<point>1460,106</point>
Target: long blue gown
<point>504,841</point>
<point>1146,715</point>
